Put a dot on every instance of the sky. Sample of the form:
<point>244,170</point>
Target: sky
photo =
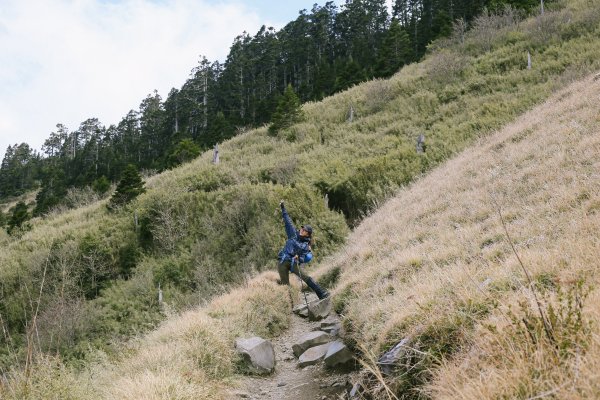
<point>64,61</point>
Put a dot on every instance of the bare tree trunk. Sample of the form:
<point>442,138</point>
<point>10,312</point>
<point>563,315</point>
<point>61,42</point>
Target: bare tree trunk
<point>205,99</point>
<point>216,154</point>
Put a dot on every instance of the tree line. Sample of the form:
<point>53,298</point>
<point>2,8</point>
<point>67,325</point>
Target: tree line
<point>321,52</point>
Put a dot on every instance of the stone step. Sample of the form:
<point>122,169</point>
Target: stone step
<point>257,353</point>
<point>338,354</point>
<point>313,355</point>
<point>309,340</point>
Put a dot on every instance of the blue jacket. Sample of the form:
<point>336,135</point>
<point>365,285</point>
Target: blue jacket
<point>295,245</point>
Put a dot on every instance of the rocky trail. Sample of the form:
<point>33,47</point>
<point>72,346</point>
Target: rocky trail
<point>290,380</point>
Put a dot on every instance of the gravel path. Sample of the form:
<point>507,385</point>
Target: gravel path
<point>290,381</point>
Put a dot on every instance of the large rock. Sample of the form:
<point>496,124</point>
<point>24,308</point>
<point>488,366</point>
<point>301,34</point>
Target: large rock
<point>388,362</point>
<point>320,309</point>
<point>301,310</point>
<point>338,354</point>
<point>331,325</point>
<point>310,297</point>
<point>313,355</point>
<point>257,353</point>
<point>311,339</point>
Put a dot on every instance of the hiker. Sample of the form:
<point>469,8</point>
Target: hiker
<point>297,251</point>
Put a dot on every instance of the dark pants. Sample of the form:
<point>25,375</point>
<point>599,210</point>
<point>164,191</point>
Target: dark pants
<point>284,269</point>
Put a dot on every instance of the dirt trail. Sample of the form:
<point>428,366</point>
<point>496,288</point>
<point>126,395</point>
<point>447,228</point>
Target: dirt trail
<point>290,381</point>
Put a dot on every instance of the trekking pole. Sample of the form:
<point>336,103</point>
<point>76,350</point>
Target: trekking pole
<point>301,281</point>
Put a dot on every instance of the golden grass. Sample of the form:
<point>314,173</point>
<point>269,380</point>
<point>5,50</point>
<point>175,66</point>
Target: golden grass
<point>433,264</point>
<point>191,356</point>
<point>436,255</point>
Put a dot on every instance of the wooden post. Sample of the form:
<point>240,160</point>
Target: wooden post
<point>421,144</point>
<point>542,6</point>
<point>351,114</point>
<point>528,60</point>
<point>160,294</point>
<point>135,220</point>
<point>216,154</point>
<point>326,199</point>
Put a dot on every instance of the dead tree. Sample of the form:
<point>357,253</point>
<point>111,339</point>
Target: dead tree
<point>216,154</point>
<point>421,144</point>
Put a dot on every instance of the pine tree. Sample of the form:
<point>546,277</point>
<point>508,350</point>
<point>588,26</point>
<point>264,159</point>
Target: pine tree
<point>53,191</point>
<point>19,170</point>
<point>395,50</point>
<point>185,151</point>
<point>129,187</point>
<point>287,113</point>
<point>101,185</point>
<point>18,217</point>
<point>219,129</point>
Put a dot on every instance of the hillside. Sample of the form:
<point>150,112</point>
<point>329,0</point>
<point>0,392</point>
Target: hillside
<point>325,50</point>
<point>80,282</point>
<point>433,264</point>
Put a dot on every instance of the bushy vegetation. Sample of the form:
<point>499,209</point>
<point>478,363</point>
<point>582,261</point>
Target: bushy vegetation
<point>130,186</point>
<point>202,228</point>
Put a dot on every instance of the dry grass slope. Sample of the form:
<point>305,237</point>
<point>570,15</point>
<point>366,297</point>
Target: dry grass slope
<point>434,264</point>
<point>190,356</point>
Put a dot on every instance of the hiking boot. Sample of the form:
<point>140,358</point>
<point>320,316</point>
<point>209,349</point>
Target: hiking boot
<point>320,292</point>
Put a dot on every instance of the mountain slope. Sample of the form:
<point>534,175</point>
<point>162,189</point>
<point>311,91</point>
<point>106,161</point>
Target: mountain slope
<point>435,264</point>
<point>204,228</point>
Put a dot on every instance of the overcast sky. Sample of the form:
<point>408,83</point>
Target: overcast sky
<point>63,61</point>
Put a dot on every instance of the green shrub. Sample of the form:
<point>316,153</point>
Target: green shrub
<point>130,186</point>
<point>122,310</point>
<point>101,185</point>
<point>287,113</point>
<point>186,150</point>
<point>19,214</point>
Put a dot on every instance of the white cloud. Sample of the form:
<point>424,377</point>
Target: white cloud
<point>69,60</point>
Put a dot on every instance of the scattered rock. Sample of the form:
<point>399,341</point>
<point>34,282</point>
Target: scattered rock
<point>309,340</point>
<point>257,353</point>
<point>310,297</point>
<point>485,283</point>
<point>301,310</point>
<point>281,384</point>
<point>355,391</point>
<point>313,355</point>
<point>299,386</point>
<point>330,321</point>
<point>338,354</point>
<point>242,395</point>
<point>331,325</point>
<point>320,309</point>
<point>389,360</point>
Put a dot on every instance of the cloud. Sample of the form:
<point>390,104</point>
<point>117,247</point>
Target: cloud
<point>63,61</point>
